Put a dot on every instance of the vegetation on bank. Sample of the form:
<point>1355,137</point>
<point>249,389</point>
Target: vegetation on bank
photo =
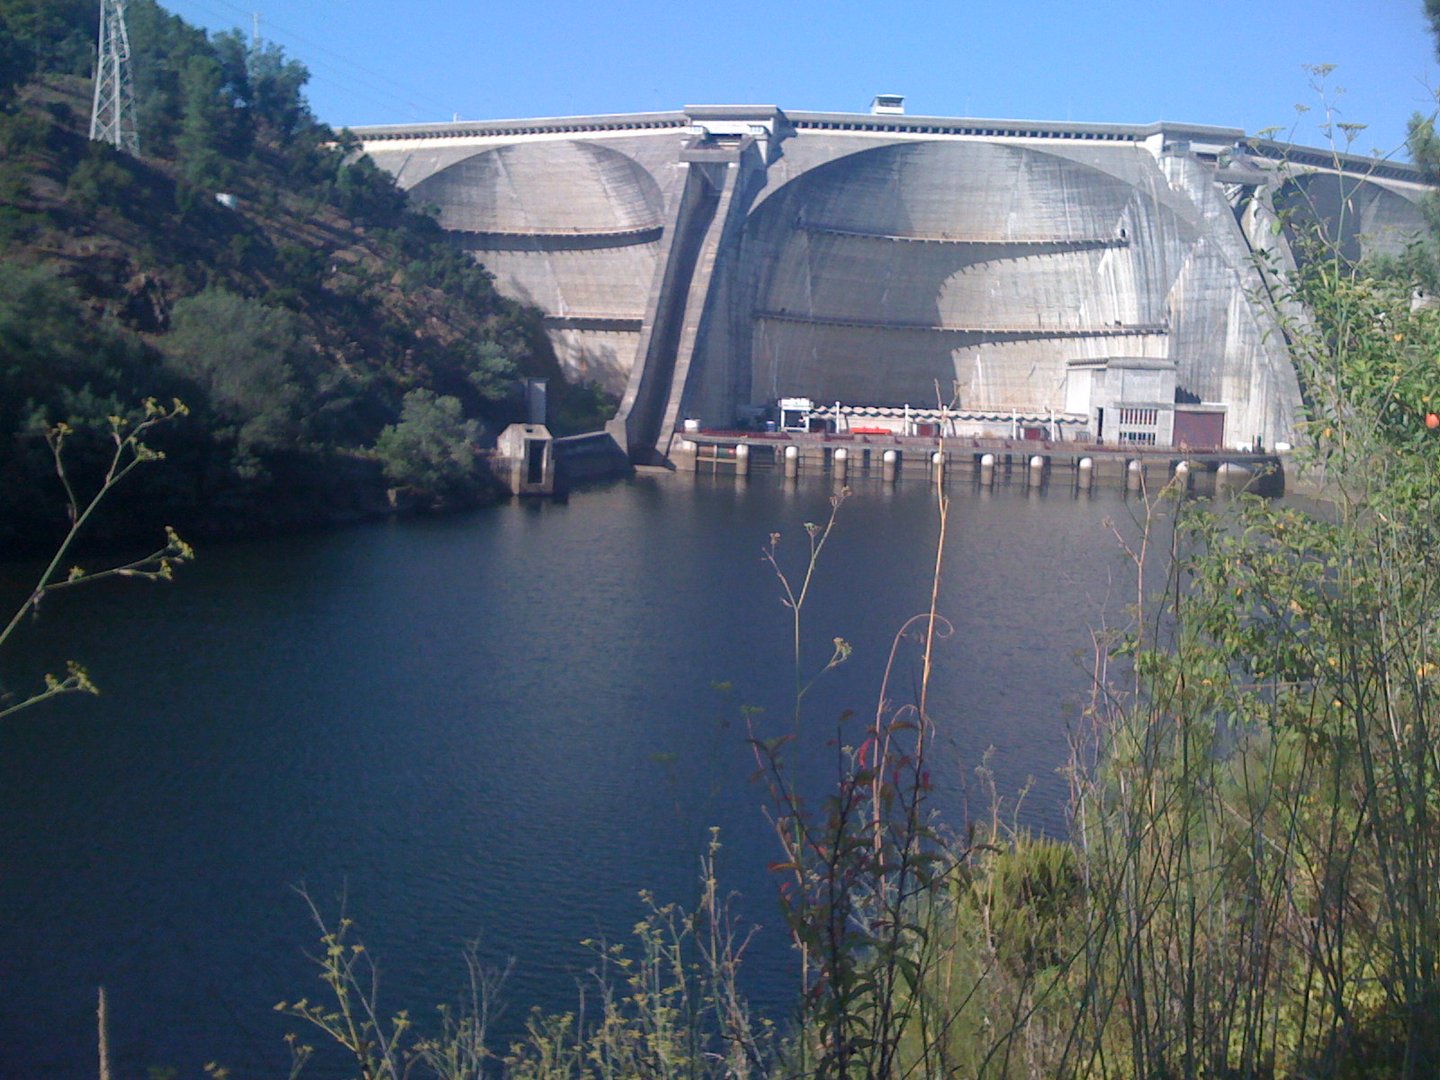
<point>293,318</point>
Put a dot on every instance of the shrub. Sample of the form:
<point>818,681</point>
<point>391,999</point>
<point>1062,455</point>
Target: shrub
<point>432,448</point>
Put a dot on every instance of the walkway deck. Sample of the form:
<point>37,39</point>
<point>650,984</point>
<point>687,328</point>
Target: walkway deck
<point>962,457</point>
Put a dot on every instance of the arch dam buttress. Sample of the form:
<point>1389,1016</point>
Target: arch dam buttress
<point>704,263</point>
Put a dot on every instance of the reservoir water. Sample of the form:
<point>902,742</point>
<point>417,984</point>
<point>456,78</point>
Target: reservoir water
<point>498,725</point>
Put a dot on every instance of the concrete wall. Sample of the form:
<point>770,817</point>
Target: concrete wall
<point>568,220</point>
<point>700,261</point>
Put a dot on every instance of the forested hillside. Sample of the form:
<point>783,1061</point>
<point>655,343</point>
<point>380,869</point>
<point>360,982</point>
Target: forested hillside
<point>249,263</point>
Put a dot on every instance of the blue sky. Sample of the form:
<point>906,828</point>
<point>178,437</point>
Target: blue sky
<point>1217,62</point>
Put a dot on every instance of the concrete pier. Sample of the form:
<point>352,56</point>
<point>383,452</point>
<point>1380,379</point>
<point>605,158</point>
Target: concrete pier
<point>1036,475</point>
<point>892,459</point>
<point>1233,476</point>
<point>1134,475</point>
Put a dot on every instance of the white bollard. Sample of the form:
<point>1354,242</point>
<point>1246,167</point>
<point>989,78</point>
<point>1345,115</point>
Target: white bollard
<point>889,466</point>
<point>1232,476</point>
<point>1036,475</point>
<point>1086,476</point>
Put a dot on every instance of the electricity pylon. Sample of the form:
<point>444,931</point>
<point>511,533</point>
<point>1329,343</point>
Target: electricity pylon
<point>112,118</point>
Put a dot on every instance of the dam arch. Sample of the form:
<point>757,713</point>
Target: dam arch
<point>871,277</point>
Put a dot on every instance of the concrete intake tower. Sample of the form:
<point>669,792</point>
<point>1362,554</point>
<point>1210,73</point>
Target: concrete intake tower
<point>706,263</point>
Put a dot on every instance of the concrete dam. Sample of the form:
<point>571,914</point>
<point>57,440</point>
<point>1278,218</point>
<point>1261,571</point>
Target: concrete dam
<point>1090,282</point>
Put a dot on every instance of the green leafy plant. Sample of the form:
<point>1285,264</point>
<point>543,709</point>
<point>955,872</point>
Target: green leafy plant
<point>666,1006</point>
<point>129,452</point>
<point>432,449</point>
<point>863,875</point>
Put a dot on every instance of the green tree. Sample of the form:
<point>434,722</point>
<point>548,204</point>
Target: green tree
<point>276,90</point>
<point>248,361</point>
<point>232,53</point>
<point>204,127</point>
<point>1422,262</point>
<point>490,370</point>
<point>50,354</point>
<point>44,35</point>
<point>432,448</point>
<point>162,45</point>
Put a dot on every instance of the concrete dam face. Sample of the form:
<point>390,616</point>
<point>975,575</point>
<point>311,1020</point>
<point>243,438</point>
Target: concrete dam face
<point>705,264</point>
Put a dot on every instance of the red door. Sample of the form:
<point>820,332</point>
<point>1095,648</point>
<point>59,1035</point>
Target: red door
<point>1195,430</point>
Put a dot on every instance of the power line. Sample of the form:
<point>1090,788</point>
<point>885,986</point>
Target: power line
<point>342,72</point>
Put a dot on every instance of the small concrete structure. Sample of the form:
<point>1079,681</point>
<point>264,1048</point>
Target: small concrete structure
<point>524,460</point>
<point>591,456</point>
<point>1130,400</point>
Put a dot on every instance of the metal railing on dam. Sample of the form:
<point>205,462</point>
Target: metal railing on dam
<point>1024,244</point>
<point>1040,329</point>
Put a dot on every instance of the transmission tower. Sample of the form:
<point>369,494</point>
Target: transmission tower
<point>112,119</point>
